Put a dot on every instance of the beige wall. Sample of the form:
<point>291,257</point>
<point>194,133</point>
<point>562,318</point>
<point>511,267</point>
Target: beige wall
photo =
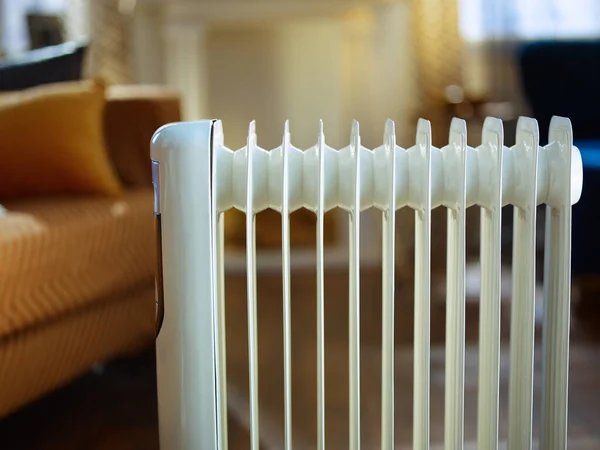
<point>244,83</point>
<point>354,64</point>
<point>311,57</point>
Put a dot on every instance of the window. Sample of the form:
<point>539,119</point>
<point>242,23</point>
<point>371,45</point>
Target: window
<point>482,20</point>
<point>15,36</point>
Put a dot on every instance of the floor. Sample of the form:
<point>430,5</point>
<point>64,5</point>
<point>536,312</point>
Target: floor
<point>115,407</point>
<point>585,364</point>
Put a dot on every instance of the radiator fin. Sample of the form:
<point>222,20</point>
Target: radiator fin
<point>286,273</point>
<point>218,263</point>
<point>353,154</point>
<point>321,292</point>
<point>387,289</point>
<point>525,168</point>
<point>420,165</point>
<point>557,287</point>
<point>454,158</point>
<point>490,154</point>
<point>251,287</point>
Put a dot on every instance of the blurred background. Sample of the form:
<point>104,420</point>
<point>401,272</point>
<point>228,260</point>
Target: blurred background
<point>85,83</point>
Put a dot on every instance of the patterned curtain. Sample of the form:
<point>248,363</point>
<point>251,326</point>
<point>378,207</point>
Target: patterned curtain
<point>107,23</point>
<point>438,48</point>
<point>438,58</point>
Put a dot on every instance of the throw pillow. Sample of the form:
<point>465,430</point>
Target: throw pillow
<point>51,141</point>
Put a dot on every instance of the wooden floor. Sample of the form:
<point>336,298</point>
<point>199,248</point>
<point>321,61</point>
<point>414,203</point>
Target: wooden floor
<point>116,409</point>
<point>585,363</point>
<point>112,409</point>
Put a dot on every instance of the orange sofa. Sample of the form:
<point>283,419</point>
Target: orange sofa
<point>77,272</point>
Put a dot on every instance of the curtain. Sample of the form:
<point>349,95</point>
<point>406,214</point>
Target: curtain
<point>14,33</point>
<point>110,50</point>
<point>439,48</point>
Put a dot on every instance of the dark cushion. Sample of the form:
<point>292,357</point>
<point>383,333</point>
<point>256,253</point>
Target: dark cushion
<point>53,64</point>
<point>562,78</point>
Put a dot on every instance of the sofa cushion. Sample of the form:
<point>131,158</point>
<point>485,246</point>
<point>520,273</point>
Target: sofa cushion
<point>128,141</point>
<point>52,141</point>
<point>68,253</point>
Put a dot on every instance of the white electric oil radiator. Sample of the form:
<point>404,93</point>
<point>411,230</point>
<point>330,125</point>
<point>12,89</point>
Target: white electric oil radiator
<point>196,179</point>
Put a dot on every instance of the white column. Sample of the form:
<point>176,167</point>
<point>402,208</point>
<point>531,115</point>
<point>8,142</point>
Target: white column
<point>147,45</point>
<point>311,74</point>
<point>394,87</point>
<point>186,66</point>
<point>77,20</point>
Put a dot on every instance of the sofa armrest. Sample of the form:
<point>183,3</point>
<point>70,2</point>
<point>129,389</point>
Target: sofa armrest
<point>132,115</point>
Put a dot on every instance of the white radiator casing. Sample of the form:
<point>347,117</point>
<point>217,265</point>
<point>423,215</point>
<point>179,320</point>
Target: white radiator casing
<point>197,179</point>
